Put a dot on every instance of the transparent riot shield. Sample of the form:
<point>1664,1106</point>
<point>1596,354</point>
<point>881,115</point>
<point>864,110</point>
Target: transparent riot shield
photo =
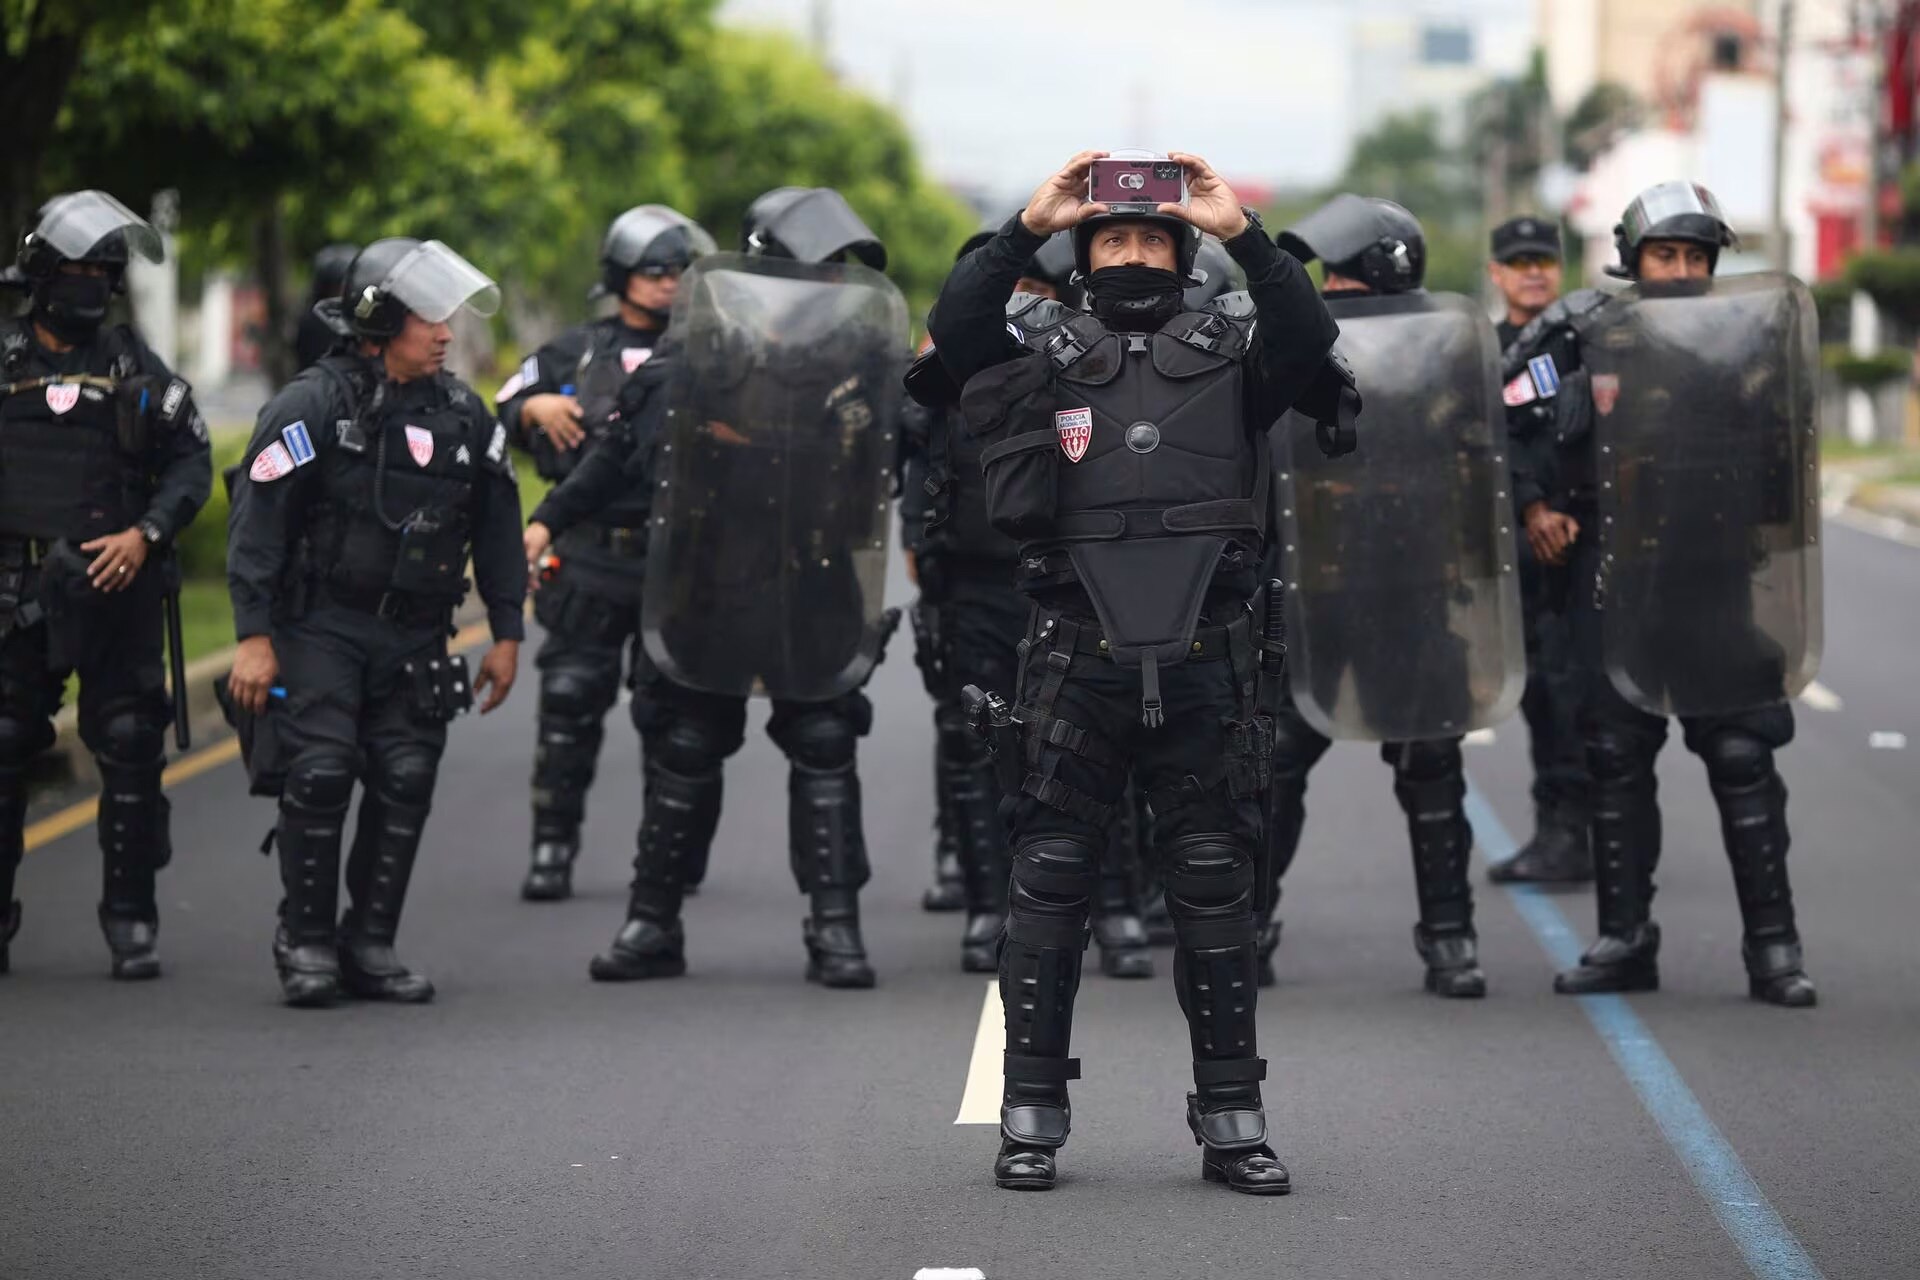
<point>1705,414</point>
<point>772,478</point>
<point>1403,601</point>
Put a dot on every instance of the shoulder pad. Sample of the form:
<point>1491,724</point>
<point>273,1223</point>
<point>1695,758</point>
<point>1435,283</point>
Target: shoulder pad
<point>1034,315</point>
<point>1562,313</point>
<point>1237,305</point>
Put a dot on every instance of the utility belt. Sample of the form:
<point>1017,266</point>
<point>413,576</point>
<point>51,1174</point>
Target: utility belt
<point>396,607</point>
<point>621,540</point>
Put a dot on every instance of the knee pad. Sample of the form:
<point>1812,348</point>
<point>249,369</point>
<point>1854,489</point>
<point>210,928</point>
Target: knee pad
<point>1426,761</point>
<point>405,775</point>
<point>321,781</point>
<point>1208,870</point>
<point>1616,757</point>
<point>131,733</point>
<point>578,692</point>
<point>22,740</point>
<point>688,745</point>
<point>822,739</point>
<point>1052,892</point>
<point>1736,759</point>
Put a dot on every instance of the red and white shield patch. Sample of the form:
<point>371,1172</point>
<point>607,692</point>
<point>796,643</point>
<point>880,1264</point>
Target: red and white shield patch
<point>1606,392</point>
<point>1520,391</point>
<point>62,396</point>
<point>420,444</point>
<point>632,358</point>
<point>270,463</point>
<point>1075,427</point>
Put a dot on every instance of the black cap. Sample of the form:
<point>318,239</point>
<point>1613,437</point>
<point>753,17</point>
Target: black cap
<point>1526,235</point>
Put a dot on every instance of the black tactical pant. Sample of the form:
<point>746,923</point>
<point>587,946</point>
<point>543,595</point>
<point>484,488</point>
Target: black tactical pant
<point>353,713</point>
<point>1552,699</point>
<point>687,735</point>
<point>113,642</point>
<point>591,614</point>
<point>1084,739</point>
<point>1429,781</point>
<point>1622,741</point>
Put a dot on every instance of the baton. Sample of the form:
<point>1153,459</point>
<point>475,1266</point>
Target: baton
<point>177,664</point>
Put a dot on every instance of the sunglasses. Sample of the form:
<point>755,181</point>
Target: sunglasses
<point>1531,262</point>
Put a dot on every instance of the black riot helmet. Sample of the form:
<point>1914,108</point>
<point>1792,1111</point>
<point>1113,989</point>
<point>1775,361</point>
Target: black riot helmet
<point>1186,241</point>
<point>330,269</point>
<point>1363,238</point>
<point>1053,263</point>
<point>652,239</point>
<point>1671,211</point>
<point>390,278</point>
<point>809,224</point>
<point>1213,268</point>
<point>87,227</point>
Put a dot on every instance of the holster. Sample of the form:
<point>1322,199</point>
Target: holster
<point>992,720</point>
<point>437,688</point>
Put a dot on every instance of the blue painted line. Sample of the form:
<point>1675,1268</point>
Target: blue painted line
<point>1771,1249</point>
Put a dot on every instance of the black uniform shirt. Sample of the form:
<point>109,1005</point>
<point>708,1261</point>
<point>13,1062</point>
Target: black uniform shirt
<point>556,366</point>
<point>1549,415</point>
<point>268,515</point>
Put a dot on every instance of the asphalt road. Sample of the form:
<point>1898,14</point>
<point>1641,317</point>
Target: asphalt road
<point>739,1122</point>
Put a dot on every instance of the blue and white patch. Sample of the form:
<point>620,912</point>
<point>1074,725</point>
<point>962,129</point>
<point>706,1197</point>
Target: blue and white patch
<point>1546,376</point>
<point>530,372</point>
<point>298,442</point>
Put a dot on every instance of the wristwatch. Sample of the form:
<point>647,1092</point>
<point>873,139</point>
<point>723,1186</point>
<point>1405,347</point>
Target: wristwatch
<point>151,532</point>
<point>1254,220</point>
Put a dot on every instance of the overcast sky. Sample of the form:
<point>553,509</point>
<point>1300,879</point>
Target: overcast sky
<point>998,92</point>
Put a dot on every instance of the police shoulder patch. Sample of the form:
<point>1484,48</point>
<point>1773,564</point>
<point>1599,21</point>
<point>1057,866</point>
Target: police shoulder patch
<point>299,443</point>
<point>271,463</point>
<point>530,371</point>
<point>497,444</point>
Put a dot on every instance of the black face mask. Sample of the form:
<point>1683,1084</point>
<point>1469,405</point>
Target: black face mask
<point>1138,298</point>
<point>72,307</point>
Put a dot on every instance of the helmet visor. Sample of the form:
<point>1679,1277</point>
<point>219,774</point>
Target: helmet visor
<point>1656,205</point>
<point>433,282</point>
<point>820,224</point>
<point>74,225</point>
<point>640,228</point>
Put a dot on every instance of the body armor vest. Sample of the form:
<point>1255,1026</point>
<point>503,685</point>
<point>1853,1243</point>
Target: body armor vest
<point>598,380</point>
<point>66,469</point>
<point>1160,476</point>
<point>957,523</point>
<point>396,497</point>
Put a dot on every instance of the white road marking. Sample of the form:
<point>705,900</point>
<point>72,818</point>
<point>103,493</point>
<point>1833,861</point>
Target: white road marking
<point>949,1273</point>
<point>1887,740</point>
<point>980,1104</point>
<point>1821,698</point>
<point>1481,738</point>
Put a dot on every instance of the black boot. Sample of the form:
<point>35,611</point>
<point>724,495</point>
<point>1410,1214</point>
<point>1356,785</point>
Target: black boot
<point>550,877</point>
<point>1753,824</point>
<point>378,870</point>
<point>1626,846</point>
<point>1117,930</point>
<point>948,891</point>
<point>306,951</point>
<point>1616,962</point>
<point>829,859</point>
<point>1229,1125</point>
<point>133,846</point>
<point>974,796</point>
<point>1559,853</point>
<point>644,948</point>
<point>1039,977</point>
<point>676,830</point>
<point>836,955</point>
<point>1431,788</point>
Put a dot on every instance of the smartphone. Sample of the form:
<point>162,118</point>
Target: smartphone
<point>1132,182</point>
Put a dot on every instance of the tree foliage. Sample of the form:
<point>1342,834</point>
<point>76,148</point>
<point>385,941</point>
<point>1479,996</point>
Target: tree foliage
<point>514,131</point>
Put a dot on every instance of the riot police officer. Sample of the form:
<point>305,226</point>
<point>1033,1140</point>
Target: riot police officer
<point>1525,270</point>
<point>1141,654</point>
<point>1387,555</point>
<point>313,338</point>
<point>967,623</point>
<point>103,461</point>
<point>1662,608</point>
<point>765,431</point>
<point>560,404</point>
<point>369,480</point>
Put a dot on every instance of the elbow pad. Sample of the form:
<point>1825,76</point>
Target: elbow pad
<point>1332,400</point>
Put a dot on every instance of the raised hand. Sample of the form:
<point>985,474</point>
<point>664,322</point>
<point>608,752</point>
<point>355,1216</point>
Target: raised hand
<point>1061,201</point>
